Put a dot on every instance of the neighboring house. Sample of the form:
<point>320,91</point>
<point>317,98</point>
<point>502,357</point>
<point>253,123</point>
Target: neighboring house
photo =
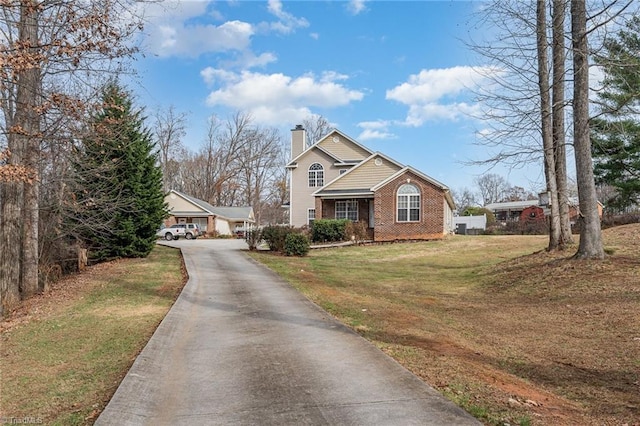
<point>219,220</point>
<point>338,178</point>
<point>513,211</point>
<point>470,225</point>
<point>510,211</point>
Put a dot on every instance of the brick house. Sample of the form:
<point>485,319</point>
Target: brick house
<point>338,178</point>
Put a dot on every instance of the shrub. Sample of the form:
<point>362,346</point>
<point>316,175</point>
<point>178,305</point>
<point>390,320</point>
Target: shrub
<point>357,231</point>
<point>253,238</point>
<point>479,211</point>
<point>609,221</point>
<point>275,236</point>
<point>296,245</point>
<point>324,230</point>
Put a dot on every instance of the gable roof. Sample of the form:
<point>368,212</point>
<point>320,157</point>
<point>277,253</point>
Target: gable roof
<point>316,146</point>
<point>415,172</point>
<point>334,186</point>
<point>235,213</point>
<point>231,213</point>
<point>443,187</point>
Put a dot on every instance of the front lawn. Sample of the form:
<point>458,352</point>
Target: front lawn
<point>509,332</point>
<point>64,353</point>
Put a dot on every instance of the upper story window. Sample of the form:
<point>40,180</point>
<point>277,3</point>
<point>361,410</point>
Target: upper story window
<point>408,203</point>
<point>316,175</point>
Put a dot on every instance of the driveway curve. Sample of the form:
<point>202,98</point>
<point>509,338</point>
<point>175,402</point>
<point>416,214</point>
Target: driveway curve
<point>242,347</point>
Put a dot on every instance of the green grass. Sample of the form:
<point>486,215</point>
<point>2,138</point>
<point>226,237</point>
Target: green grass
<point>63,366</point>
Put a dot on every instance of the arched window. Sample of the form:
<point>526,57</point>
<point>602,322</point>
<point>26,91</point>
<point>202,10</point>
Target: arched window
<point>408,203</point>
<point>316,175</point>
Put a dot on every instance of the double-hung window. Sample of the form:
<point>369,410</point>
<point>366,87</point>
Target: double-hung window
<point>408,203</point>
<point>316,175</point>
<point>347,209</point>
<point>311,216</point>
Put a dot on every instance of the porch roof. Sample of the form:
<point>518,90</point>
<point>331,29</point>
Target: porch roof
<point>344,193</point>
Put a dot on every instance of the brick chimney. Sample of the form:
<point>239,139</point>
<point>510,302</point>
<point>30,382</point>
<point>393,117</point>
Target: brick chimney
<point>298,141</point>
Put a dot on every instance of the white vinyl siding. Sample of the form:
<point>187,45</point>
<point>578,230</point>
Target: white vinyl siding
<point>343,149</point>
<point>300,194</point>
<point>366,175</point>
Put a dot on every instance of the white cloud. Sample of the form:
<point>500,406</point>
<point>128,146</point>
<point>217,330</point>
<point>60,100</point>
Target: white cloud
<point>273,98</point>
<point>432,94</point>
<point>287,22</point>
<point>375,130</point>
<point>178,39</point>
<point>356,7</point>
<point>172,30</point>
<point>248,59</point>
<point>379,124</point>
<point>369,134</point>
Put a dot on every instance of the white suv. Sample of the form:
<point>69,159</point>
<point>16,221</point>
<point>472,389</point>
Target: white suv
<point>172,233</point>
<point>191,230</point>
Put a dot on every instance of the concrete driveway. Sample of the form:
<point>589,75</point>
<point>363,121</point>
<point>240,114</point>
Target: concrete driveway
<point>241,347</point>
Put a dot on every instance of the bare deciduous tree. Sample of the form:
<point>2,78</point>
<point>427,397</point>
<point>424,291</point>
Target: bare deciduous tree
<point>590,234</point>
<point>259,163</point>
<point>240,163</point>
<point>559,56</point>
<point>464,198</point>
<point>546,124</point>
<point>316,127</point>
<point>492,188</point>
<point>169,129</point>
<point>519,106</point>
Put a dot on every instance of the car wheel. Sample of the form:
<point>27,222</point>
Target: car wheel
<point>189,236</point>
<point>168,236</point>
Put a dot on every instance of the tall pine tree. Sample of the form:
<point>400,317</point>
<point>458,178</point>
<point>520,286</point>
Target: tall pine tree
<point>616,133</point>
<point>119,203</point>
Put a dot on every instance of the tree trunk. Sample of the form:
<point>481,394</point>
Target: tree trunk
<point>547,133</point>
<point>590,234</point>
<point>559,56</point>
<point>10,235</point>
<point>27,116</point>
<point>19,221</point>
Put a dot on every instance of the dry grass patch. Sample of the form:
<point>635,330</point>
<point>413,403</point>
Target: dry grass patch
<point>508,331</point>
<point>65,352</point>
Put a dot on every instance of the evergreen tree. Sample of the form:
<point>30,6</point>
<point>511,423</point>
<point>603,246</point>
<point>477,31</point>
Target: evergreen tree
<point>119,203</point>
<point>616,133</point>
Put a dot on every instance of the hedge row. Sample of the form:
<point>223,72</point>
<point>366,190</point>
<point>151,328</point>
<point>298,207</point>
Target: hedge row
<point>329,230</point>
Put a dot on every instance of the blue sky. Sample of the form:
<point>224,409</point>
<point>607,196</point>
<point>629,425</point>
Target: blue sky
<point>394,75</point>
